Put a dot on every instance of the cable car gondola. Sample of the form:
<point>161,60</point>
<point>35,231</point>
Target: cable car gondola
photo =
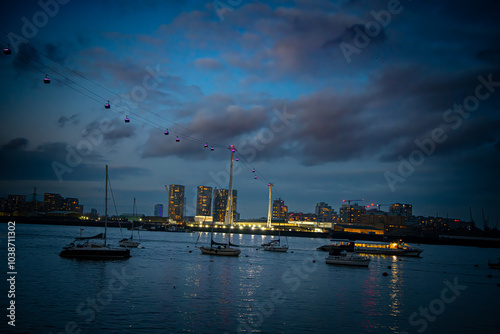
<point>127,120</point>
<point>107,105</point>
<point>46,80</point>
<point>7,51</point>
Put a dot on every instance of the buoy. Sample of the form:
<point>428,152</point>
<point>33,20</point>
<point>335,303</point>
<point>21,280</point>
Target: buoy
<point>384,274</point>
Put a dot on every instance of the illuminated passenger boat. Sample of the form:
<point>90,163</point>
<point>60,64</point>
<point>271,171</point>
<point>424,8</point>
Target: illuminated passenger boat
<point>377,247</point>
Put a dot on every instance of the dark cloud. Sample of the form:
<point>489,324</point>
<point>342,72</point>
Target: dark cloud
<point>73,119</point>
<point>15,144</point>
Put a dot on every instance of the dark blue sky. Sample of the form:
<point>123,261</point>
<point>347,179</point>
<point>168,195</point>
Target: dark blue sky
<point>383,100</point>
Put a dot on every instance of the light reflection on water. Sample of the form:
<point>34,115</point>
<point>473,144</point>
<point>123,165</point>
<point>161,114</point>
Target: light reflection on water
<point>173,291</point>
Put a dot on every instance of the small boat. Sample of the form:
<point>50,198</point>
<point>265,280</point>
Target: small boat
<point>129,242</point>
<point>273,245</point>
<point>87,248</point>
<point>376,247</point>
<point>224,249</point>
<point>345,258</point>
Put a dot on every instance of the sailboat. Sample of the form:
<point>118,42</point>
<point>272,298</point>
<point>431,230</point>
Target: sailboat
<point>88,248</point>
<point>273,245</point>
<point>129,242</point>
<point>217,248</point>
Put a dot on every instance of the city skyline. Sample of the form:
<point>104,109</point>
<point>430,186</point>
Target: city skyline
<point>326,100</point>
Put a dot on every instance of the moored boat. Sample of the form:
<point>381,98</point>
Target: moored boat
<point>347,259</point>
<point>224,249</point>
<point>87,248</point>
<point>275,246</point>
<point>376,247</point>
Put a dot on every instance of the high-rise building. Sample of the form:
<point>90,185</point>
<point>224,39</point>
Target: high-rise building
<point>158,210</point>
<point>280,210</point>
<point>204,201</point>
<point>324,212</point>
<point>176,202</point>
<point>220,204</point>
<point>404,210</point>
<point>351,213</point>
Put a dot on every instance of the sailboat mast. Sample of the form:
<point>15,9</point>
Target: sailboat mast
<point>106,207</point>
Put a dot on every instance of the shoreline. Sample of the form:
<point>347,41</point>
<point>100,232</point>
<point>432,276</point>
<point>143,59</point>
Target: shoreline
<point>473,241</point>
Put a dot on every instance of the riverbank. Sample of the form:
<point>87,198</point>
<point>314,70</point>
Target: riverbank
<point>473,241</point>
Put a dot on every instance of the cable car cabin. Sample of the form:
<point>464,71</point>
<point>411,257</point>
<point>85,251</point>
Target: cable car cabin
<point>127,120</point>
<point>255,177</point>
<point>177,139</point>
<point>237,159</point>
<point>211,149</point>
<point>253,170</point>
<point>206,145</point>
<point>166,133</point>
<point>7,51</point>
<point>46,80</point>
<point>107,106</point>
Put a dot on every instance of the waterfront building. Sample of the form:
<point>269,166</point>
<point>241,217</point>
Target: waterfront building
<point>280,210</point>
<point>158,210</point>
<point>204,201</point>
<point>351,213</point>
<point>176,202</point>
<point>220,199</point>
<point>324,212</point>
<point>403,209</point>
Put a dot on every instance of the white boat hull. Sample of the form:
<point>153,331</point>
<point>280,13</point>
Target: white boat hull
<point>354,260</point>
<point>129,243</point>
<point>280,249</point>
<point>222,251</point>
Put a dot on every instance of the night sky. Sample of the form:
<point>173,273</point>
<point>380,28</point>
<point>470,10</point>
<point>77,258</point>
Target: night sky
<point>382,100</point>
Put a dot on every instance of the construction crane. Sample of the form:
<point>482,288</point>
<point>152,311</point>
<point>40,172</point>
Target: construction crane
<point>352,200</point>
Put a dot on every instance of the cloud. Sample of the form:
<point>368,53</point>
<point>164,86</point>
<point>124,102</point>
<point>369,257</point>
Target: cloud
<point>15,144</point>
<point>208,64</point>
<point>73,119</point>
